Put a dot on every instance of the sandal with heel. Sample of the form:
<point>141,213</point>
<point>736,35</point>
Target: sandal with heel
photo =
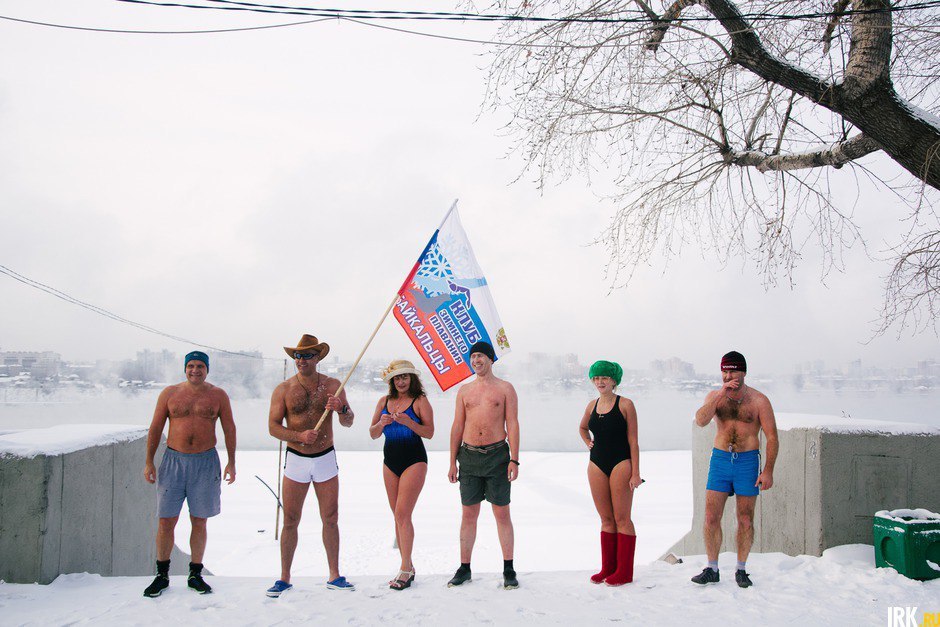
<point>400,584</point>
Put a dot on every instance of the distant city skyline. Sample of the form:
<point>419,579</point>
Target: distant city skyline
<point>532,366</point>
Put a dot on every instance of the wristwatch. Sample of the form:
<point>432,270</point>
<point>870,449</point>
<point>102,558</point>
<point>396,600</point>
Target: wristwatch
<point>344,410</point>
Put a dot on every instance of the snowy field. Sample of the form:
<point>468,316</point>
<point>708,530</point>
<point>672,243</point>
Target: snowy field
<point>556,550</point>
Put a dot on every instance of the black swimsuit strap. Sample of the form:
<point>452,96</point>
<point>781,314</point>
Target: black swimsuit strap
<point>616,405</point>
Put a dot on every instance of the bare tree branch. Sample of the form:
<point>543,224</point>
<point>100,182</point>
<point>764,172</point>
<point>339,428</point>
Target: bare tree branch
<point>658,32</point>
<point>870,52</point>
<point>726,138</point>
<point>912,296</point>
<point>838,10</point>
<point>834,156</point>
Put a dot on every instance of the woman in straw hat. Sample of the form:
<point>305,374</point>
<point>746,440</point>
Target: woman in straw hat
<point>608,428</point>
<point>404,416</point>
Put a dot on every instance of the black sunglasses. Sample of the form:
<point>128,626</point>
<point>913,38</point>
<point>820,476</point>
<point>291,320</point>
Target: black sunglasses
<point>305,355</point>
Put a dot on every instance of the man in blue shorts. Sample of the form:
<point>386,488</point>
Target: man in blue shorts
<point>741,413</point>
<point>190,469</point>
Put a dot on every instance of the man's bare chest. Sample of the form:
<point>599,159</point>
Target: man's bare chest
<point>305,400</point>
<point>190,406</point>
<point>731,411</point>
<point>485,404</point>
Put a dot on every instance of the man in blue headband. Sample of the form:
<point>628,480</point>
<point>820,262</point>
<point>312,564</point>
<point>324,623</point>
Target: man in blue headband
<point>190,469</point>
<point>741,413</point>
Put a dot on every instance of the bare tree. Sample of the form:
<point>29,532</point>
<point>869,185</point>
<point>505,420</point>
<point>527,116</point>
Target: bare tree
<point>725,127</point>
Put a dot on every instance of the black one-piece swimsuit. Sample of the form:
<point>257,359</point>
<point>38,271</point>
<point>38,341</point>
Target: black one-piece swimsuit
<point>403,447</point>
<point>610,437</point>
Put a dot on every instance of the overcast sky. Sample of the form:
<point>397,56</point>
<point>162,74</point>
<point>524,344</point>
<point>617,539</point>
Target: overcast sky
<point>242,189</point>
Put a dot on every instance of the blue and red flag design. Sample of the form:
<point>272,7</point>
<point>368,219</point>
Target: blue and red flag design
<point>445,305</point>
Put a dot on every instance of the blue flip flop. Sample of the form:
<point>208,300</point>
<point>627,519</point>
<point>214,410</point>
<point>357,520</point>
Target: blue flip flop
<point>278,587</point>
<point>340,583</point>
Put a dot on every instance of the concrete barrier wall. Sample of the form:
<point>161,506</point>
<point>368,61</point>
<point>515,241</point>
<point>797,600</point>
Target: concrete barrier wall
<point>831,476</point>
<point>85,510</point>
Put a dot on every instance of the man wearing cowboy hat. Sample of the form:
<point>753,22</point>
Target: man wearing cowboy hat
<point>190,469</point>
<point>296,407</point>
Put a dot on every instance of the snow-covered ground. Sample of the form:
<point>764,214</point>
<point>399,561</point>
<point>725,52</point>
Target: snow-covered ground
<point>556,549</point>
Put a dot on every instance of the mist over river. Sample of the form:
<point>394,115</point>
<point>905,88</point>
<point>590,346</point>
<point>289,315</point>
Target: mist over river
<point>549,419</point>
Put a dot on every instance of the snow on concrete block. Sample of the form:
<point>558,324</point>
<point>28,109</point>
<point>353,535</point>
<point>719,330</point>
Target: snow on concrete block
<point>65,439</point>
<point>73,499</point>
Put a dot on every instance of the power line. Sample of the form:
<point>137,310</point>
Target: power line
<point>363,17</point>
<point>388,14</point>
<point>359,22</point>
<point>113,316</point>
<point>161,32</point>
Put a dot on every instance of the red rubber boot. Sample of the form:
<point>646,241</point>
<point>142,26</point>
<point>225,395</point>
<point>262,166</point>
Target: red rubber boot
<point>608,557</point>
<point>626,548</point>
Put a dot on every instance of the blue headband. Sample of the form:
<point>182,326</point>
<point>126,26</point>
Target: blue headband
<point>198,356</point>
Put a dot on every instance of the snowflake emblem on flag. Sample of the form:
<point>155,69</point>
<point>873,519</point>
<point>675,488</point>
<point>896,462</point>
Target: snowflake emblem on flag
<point>435,267</point>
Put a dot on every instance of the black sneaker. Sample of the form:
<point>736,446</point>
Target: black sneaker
<point>707,575</point>
<point>743,580</point>
<point>460,577</point>
<point>197,583</point>
<point>160,583</point>
<point>509,580</point>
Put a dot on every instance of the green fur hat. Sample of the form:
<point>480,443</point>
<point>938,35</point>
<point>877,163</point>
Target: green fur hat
<point>606,369</point>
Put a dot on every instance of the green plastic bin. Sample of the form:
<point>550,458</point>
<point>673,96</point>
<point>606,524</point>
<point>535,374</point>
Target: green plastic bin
<point>909,542</point>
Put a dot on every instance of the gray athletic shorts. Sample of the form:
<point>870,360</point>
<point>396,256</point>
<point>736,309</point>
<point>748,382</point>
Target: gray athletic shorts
<point>483,473</point>
<point>196,477</point>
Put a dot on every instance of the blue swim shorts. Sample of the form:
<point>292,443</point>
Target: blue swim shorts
<point>734,473</point>
<point>196,477</point>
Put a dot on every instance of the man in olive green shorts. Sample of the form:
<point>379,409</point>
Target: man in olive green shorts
<point>487,415</point>
<point>483,473</point>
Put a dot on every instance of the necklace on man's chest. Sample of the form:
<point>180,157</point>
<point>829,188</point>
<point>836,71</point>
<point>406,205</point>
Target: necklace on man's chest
<point>306,391</point>
<point>737,401</point>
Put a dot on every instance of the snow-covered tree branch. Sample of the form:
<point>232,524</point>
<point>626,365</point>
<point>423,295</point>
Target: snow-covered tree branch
<point>724,121</point>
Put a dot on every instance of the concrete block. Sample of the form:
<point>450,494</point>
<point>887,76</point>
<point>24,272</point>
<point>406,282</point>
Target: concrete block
<point>831,476</point>
<point>782,518</point>
<point>73,499</point>
<point>812,481</point>
<point>86,511</point>
<point>134,521</point>
<point>22,495</point>
<point>52,519</point>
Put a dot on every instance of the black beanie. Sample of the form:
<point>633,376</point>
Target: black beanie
<point>484,347</point>
<point>733,361</point>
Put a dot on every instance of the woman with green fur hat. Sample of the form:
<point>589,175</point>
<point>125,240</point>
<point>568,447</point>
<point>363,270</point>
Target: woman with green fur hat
<point>608,428</point>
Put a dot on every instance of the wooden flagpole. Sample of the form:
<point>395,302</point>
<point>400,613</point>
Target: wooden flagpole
<point>376,330</point>
<point>280,453</point>
<point>342,385</point>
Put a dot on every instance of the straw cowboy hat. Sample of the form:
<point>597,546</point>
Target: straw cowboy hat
<point>309,344</point>
<point>397,367</point>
